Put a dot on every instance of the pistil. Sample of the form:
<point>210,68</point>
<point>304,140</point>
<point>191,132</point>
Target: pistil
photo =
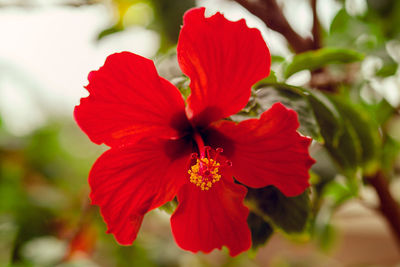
<point>205,172</point>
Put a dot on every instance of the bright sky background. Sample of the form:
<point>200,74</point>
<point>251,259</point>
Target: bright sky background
<point>47,52</point>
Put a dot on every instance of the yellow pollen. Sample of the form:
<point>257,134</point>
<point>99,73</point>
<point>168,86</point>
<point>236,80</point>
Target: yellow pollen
<point>204,173</point>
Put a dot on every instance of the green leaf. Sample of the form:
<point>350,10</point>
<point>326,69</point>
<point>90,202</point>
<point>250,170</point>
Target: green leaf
<point>387,70</point>
<point>135,255</point>
<point>277,59</point>
<point>347,31</point>
<point>8,232</point>
<point>340,138</point>
<point>168,19</point>
<point>270,79</point>
<point>326,236</point>
<point>347,152</point>
<point>380,112</point>
<point>313,60</point>
<point>391,151</point>
<point>318,116</point>
<point>363,133</point>
<point>111,30</point>
<point>170,206</point>
<point>261,231</point>
<point>268,93</point>
<point>324,168</point>
<point>349,135</point>
<point>328,118</point>
<point>338,192</point>
<point>339,22</point>
<point>287,213</point>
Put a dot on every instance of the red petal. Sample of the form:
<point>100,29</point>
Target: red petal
<point>205,220</point>
<point>128,100</point>
<point>266,151</point>
<point>223,59</point>
<point>127,182</point>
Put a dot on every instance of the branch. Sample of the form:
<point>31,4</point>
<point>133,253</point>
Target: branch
<point>271,14</point>
<point>316,28</point>
<point>388,205</point>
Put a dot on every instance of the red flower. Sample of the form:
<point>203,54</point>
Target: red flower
<point>160,150</point>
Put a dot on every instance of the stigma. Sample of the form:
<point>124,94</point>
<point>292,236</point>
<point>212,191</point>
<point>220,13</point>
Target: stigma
<point>205,172</point>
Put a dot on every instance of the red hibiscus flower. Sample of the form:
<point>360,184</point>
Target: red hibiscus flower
<point>160,149</point>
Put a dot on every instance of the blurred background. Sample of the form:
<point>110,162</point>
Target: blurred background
<point>47,48</point>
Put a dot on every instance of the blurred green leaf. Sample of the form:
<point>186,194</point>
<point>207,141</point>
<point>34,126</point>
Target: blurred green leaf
<point>384,14</point>
<point>339,22</point>
<point>269,80</point>
<point>170,206</point>
<point>328,118</point>
<point>168,15</point>
<point>346,31</point>
<point>11,174</point>
<point>133,256</point>
<point>79,262</point>
<point>380,112</point>
<point>277,59</point>
<point>261,231</point>
<point>347,151</point>
<point>387,70</point>
<point>287,213</point>
<point>338,192</point>
<point>111,30</point>
<point>313,60</point>
<point>182,83</point>
<point>339,136</point>
<point>366,140</point>
<point>8,230</point>
<point>326,236</point>
<point>324,168</point>
<point>43,151</point>
<point>391,151</point>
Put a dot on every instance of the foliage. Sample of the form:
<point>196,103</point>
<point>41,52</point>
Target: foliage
<point>317,59</point>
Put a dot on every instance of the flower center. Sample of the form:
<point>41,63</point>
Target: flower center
<point>205,172</point>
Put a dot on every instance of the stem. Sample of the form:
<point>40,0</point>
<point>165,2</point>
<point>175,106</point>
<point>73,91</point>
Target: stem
<point>271,14</point>
<point>316,29</point>
<point>388,205</point>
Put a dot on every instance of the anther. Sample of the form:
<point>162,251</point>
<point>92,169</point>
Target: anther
<point>204,173</point>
